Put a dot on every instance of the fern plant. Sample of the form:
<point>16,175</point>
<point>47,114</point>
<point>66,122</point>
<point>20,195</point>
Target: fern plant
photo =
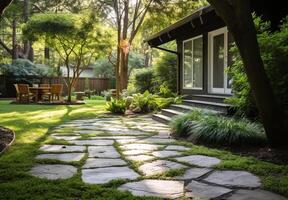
<point>116,106</point>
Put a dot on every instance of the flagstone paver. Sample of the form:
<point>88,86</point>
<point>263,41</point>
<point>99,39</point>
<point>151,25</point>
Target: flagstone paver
<point>193,173</point>
<point>103,152</point>
<point>92,142</point>
<point>62,148</point>
<point>107,174</point>
<point>159,167</point>
<point>94,138</point>
<point>255,195</point>
<point>140,158</point>
<point>177,148</point>
<point>199,160</point>
<point>240,179</point>
<point>204,191</point>
<point>65,157</point>
<point>150,147</point>
<point>166,154</point>
<point>155,188</point>
<point>53,172</point>
<point>103,162</point>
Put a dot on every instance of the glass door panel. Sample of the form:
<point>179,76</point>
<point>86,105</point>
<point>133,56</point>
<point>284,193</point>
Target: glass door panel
<point>218,61</point>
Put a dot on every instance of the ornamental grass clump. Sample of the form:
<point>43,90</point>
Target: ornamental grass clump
<point>224,131</point>
<point>116,106</point>
<point>182,124</point>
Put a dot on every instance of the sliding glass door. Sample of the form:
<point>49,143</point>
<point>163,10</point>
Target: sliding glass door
<point>220,82</point>
<point>193,63</point>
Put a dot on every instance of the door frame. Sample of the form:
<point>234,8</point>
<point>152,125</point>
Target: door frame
<point>211,35</point>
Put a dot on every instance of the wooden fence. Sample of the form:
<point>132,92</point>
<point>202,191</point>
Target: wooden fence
<point>93,84</point>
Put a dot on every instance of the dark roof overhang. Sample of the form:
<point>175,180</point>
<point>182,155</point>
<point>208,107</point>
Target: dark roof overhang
<point>170,33</point>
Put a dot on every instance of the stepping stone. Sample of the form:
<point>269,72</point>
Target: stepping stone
<point>140,158</point>
<point>150,147</point>
<point>255,195</point>
<point>166,154</point>
<point>113,137</point>
<point>105,175</point>
<point>155,188</point>
<point>199,160</point>
<point>159,167</point>
<point>135,152</point>
<point>62,148</point>
<point>65,157</point>
<point>193,173</point>
<point>126,141</point>
<point>103,162</point>
<point>67,138</point>
<point>238,179</point>
<point>84,132</point>
<point>177,148</point>
<point>199,190</point>
<point>103,152</point>
<point>92,142</point>
<point>156,140</point>
<point>53,172</point>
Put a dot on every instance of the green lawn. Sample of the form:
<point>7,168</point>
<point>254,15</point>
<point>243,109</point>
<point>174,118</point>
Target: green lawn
<point>33,124</point>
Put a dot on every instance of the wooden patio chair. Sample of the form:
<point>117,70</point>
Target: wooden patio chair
<point>17,92</point>
<point>24,94</point>
<point>56,90</point>
<point>44,85</point>
<point>46,93</point>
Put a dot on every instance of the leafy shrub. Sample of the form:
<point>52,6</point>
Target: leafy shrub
<point>165,91</point>
<point>208,128</point>
<point>107,95</point>
<point>116,106</point>
<point>273,47</point>
<point>95,97</point>
<point>225,131</point>
<point>165,72</point>
<point>143,103</point>
<point>144,80</point>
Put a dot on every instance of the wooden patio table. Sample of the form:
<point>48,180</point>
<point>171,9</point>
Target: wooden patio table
<point>39,91</point>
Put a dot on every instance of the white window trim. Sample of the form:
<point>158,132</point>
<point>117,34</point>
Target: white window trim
<point>183,61</point>
<point>211,34</point>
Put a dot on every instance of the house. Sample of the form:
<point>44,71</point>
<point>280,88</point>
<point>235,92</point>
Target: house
<point>87,72</point>
<point>203,42</point>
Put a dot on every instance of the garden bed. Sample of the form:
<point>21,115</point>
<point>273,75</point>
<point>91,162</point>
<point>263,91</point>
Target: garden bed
<point>7,137</point>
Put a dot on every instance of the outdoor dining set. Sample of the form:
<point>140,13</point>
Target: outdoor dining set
<point>38,93</point>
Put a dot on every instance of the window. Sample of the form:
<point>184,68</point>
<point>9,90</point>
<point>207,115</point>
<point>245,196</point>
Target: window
<point>193,63</point>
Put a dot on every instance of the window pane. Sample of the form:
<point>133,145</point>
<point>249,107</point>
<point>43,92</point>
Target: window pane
<point>187,64</point>
<point>198,63</point>
<point>218,61</point>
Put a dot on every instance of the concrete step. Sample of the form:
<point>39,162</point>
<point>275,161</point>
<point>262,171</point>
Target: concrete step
<point>171,112</point>
<point>222,107</point>
<point>210,98</point>
<point>161,118</point>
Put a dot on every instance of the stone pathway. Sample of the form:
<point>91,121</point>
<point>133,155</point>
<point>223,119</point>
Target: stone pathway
<point>106,147</point>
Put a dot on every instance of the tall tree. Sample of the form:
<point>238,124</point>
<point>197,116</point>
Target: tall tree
<point>127,17</point>
<point>77,39</point>
<point>238,18</point>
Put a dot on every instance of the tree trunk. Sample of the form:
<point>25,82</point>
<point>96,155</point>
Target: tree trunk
<point>27,45</point>
<point>238,19</point>
<point>14,40</point>
<point>69,92</point>
<point>124,70</point>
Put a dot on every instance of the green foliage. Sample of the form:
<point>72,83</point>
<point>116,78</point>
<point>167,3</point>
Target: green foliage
<point>182,124</point>
<point>274,52</point>
<point>116,106</point>
<point>226,131</point>
<point>205,127</point>
<point>165,71</point>
<point>144,80</point>
<point>103,68</point>
<point>143,103</point>
<point>23,67</point>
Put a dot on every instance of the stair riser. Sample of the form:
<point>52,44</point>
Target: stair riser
<point>209,99</point>
<point>180,109</point>
<point>161,120</point>
<point>217,108</point>
<point>168,114</point>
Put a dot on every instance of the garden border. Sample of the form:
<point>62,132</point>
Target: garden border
<point>11,142</point>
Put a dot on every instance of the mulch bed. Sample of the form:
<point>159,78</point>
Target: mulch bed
<point>6,137</point>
